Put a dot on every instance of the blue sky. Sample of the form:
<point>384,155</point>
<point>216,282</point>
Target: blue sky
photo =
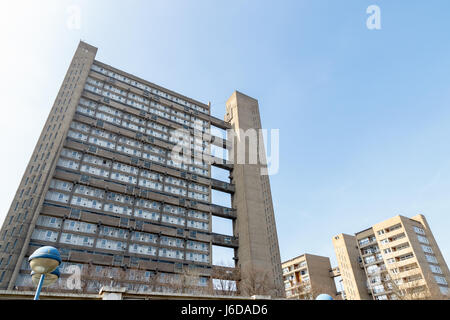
<point>363,114</point>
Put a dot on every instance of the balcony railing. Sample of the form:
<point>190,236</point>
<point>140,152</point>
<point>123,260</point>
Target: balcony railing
<point>370,242</point>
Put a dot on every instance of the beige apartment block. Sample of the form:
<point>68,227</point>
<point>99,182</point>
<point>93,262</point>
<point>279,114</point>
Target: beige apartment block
<point>307,276</point>
<point>394,259</point>
<point>104,186</point>
<point>353,277</point>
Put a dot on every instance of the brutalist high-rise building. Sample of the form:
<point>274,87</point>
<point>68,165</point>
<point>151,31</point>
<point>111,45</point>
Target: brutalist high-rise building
<point>106,188</point>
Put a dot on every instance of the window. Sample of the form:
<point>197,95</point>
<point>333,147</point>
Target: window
<point>444,290</point>
<point>440,280</point>
<point>364,241</point>
<point>9,260</point>
<point>77,240</point>
<point>435,269</point>
<point>419,230</point>
<point>378,288</point>
<point>427,249</point>
<point>372,269</point>
<point>423,239</point>
<point>431,259</point>
<point>397,226</point>
<point>406,257</point>
<point>46,235</point>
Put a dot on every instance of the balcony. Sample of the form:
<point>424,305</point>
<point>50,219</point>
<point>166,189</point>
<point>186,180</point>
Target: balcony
<point>374,272</point>
<point>398,252</point>
<point>370,253</point>
<point>226,273</point>
<point>397,242</point>
<point>385,291</point>
<point>392,233</point>
<point>405,262</point>
<point>221,163</point>
<point>335,272</point>
<point>297,269</point>
<point>222,186</point>
<point>225,241</point>
<point>223,212</point>
<point>215,140</point>
<point>413,283</point>
<point>216,122</point>
<point>366,244</point>
<point>367,264</point>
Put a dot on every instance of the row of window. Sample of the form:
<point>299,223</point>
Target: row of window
<point>68,268</point>
<point>389,229</point>
<point>154,108</point>
<point>129,174</point>
<point>440,280</point>
<point>117,245</point>
<point>435,269</point>
<point>124,210</point>
<point>423,239</point>
<point>125,199</point>
<point>372,259</point>
<point>367,240</point>
<point>294,267</point>
<point>141,150</point>
<point>394,238</point>
<point>138,124</point>
<point>370,250</point>
<point>419,230</point>
<point>147,88</point>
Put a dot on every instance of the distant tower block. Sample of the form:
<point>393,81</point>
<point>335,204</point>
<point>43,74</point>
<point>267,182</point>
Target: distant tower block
<point>258,253</point>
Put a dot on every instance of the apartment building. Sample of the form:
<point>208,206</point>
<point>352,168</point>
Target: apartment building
<point>307,276</point>
<point>120,182</point>
<point>352,276</point>
<point>394,259</point>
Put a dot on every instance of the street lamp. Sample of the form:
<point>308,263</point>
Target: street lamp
<point>49,278</point>
<point>44,262</point>
<point>324,296</point>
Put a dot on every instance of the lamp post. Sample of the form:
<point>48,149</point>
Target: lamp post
<point>324,296</point>
<point>44,262</point>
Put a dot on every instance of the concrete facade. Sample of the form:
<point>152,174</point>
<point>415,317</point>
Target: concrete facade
<point>106,188</point>
<point>256,228</point>
<point>353,277</point>
<point>25,208</point>
<point>307,276</point>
